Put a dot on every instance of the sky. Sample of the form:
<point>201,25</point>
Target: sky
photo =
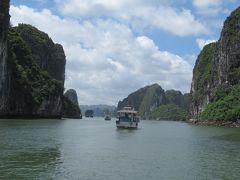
<point>114,47</point>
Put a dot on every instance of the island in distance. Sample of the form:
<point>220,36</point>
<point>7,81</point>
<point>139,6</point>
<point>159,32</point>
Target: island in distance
<point>99,110</point>
<point>153,102</point>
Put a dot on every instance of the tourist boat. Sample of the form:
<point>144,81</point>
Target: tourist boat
<point>107,118</point>
<point>127,118</point>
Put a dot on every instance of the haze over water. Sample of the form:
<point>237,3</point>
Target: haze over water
<point>94,149</point>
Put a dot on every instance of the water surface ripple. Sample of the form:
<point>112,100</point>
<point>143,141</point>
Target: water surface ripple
<point>93,149</point>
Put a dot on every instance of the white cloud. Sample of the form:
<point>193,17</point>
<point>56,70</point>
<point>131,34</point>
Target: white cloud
<point>206,3</point>
<point>208,7</point>
<point>103,7</point>
<point>181,23</point>
<point>140,13</point>
<point>105,60</point>
<point>203,42</point>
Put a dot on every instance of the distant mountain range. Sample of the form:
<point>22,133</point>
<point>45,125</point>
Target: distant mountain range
<point>99,110</point>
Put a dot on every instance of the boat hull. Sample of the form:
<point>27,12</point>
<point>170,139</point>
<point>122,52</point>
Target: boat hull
<point>107,118</point>
<point>126,125</point>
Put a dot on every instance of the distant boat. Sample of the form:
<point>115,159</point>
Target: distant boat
<point>89,113</point>
<point>127,118</point>
<point>107,118</point>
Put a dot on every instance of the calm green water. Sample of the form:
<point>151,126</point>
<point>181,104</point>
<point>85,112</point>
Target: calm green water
<point>93,149</point>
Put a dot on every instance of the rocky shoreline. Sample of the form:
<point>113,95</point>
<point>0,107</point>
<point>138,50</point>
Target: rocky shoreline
<point>215,123</point>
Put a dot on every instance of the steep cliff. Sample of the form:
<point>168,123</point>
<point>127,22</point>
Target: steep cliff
<point>150,100</point>
<point>200,89</point>
<point>47,55</point>
<point>71,107</point>
<point>217,71</point>
<point>4,66</point>
<point>33,71</point>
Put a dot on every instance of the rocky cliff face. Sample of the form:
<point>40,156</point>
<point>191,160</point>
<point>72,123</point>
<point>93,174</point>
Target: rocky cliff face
<point>35,89</point>
<point>4,70</point>
<point>71,107</point>
<point>217,66</point>
<point>32,71</point>
<point>146,100</point>
<point>200,89</point>
<point>49,56</point>
<point>226,62</point>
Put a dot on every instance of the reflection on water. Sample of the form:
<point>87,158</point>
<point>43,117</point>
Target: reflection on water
<point>29,149</point>
<point>235,137</point>
<point>29,164</point>
<point>95,149</point>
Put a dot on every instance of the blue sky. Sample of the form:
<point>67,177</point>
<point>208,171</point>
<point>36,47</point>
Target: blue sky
<point>115,47</point>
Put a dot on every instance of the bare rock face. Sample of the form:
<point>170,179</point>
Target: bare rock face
<point>226,62</point>
<point>217,66</point>
<point>200,89</point>
<point>32,71</point>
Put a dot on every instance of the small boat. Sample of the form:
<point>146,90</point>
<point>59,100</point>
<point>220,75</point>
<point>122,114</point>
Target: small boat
<point>127,118</point>
<point>107,118</point>
<point>89,113</point>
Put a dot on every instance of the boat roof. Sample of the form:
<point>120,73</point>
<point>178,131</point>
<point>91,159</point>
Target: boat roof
<point>127,110</point>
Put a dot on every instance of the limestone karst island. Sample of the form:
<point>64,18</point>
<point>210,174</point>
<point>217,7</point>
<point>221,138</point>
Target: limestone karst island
<point>119,89</point>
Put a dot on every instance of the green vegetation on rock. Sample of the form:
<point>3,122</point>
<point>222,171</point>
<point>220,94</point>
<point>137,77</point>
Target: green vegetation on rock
<point>177,98</point>
<point>225,105</point>
<point>216,76</point>
<point>231,27</point>
<point>46,54</point>
<point>151,103</point>
<point>234,75</point>
<point>70,109</point>
<point>202,71</point>
<point>33,74</point>
<point>31,81</point>
<point>169,112</point>
<point>152,98</point>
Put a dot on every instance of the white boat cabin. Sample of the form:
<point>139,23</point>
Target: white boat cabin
<point>127,118</point>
